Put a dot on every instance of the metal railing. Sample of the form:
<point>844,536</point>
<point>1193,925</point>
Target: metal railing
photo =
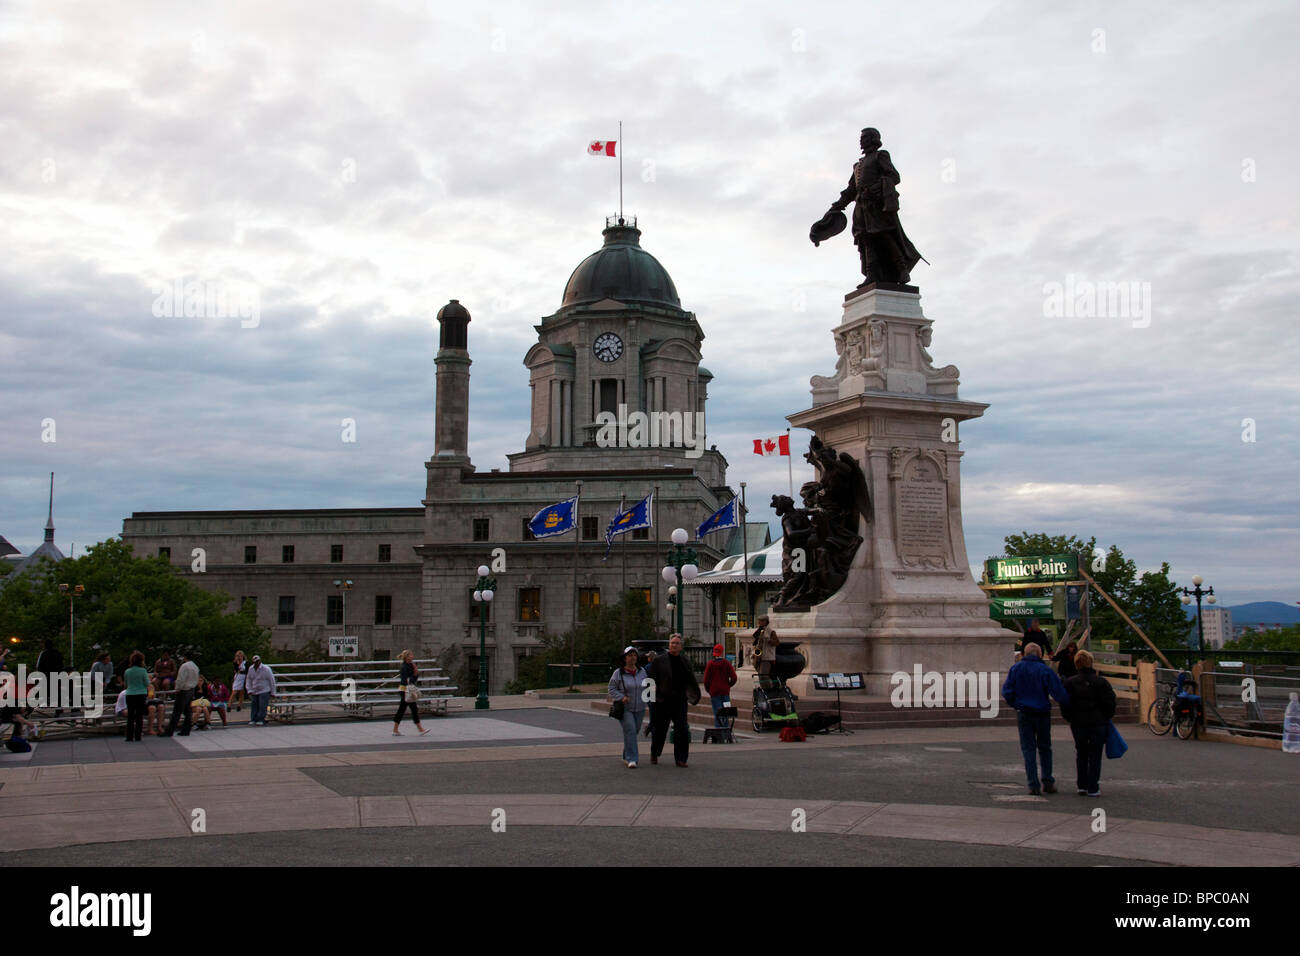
<point>1245,700</point>
<point>354,686</point>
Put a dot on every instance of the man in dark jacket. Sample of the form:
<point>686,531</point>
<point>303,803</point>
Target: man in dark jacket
<point>675,688</point>
<point>1027,688</point>
<point>1090,708</point>
<point>719,678</point>
<point>1033,635</point>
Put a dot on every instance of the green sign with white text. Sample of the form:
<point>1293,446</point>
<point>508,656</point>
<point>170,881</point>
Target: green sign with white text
<point>1032,570</point>
<point>1020,609</point>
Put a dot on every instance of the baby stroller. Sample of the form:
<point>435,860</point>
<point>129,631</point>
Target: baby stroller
<point>1186,707</point>
<point>774,702</point>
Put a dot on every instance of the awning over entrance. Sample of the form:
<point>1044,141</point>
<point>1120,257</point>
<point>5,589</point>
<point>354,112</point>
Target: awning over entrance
<point>764,565</point>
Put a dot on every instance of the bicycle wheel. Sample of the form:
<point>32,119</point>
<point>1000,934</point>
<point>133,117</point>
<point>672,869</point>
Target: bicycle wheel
<point>1185,725</point>
<point>757,718</point>
<point>1160,718</point>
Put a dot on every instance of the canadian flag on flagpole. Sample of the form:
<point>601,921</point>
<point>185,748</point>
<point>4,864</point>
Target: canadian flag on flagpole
<point>600,148</point>
<point>779,445</point>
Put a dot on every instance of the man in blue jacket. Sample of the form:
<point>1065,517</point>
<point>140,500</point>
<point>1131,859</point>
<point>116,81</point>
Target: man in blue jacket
<point>1027,687</point>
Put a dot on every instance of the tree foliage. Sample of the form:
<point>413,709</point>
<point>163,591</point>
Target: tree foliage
<point>600,638</point>
<point>129,604</point>
<point>1150,599</point>
<point>1283,639</point>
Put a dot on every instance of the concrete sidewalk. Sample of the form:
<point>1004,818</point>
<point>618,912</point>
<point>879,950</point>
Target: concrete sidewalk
<point>75,805</point>
<point>1167,802</point>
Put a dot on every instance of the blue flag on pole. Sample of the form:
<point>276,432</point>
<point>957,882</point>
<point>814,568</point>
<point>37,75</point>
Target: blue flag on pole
<point>555,519</point>
<point>728,516</point>
<point>638,516</point>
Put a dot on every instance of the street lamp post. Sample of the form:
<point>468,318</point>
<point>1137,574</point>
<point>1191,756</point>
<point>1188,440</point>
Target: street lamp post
<point>680,567</point>
<point>72,591</point>
<point>484,591</point>
<point>1198,593</point>
<point>344,586</point>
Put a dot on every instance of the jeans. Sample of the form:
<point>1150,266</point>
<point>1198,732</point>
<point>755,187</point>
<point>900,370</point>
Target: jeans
<point>1036,735</point>
<point>719,701</point>
<point>181,705</point>
<point>1089,742</point>
<point>631,728</point>
<point>260,702</point>
<point>671,710</point>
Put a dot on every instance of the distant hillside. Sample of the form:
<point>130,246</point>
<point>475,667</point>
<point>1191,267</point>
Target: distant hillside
<point>1259,612</point>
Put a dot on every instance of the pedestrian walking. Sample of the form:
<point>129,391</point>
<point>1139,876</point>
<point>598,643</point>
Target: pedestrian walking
<point>1028,685</point>
<point>1064,658</point>
<point>650,706</point>
<point>187,682</point>
<point>237,693</point>
<point>260,684</point>
<point>1033,635</point>
<point>675,689</point>
<point>625,689</point>
<point>408,679</point>
<point>137,696</point>
<point>1089,711</point>
<point>719,678</point>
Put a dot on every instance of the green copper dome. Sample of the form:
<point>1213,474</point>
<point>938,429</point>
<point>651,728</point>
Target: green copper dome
<point>621,270</point>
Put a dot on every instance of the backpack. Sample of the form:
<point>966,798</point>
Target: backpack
<point>819,722</point>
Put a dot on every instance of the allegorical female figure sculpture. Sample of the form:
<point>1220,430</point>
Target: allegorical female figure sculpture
<point>887,254</point>
<point>821,538</point>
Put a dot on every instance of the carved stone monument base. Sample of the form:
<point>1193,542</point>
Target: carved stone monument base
<point>910,598</point>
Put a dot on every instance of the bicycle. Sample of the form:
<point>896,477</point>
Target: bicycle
<point>1160,716</point>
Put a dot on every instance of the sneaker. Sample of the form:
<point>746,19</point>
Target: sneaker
<point>1049,787</point>
<point>654,759</point>
<point>1094,793</point>
<point>631,765</point>
<point>1036,791</point>
<point>1082,792</point>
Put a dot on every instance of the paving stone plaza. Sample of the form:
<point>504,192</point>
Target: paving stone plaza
<point>551,773</point>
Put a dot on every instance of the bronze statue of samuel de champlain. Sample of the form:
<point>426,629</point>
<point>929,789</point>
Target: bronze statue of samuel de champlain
<point>886,252</point>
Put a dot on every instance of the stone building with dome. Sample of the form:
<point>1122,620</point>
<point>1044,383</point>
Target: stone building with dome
<point>619,343</point>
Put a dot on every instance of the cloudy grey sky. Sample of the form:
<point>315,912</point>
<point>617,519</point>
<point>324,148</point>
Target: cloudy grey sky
<point>359,165</point>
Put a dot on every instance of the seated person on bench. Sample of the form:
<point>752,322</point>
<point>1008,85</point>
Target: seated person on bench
<point>200,706</point>
<point>219,697</point>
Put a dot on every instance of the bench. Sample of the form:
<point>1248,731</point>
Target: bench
<point>356,687</point>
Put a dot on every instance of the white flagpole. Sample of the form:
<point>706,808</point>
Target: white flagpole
<point>744,544</point>
<point>620,172</point>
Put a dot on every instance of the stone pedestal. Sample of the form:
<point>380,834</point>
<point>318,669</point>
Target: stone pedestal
<point>909,598</point>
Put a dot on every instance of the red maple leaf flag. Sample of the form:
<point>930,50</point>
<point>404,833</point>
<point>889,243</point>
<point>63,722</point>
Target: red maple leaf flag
<point>600,148</point>
<point>780,445</point>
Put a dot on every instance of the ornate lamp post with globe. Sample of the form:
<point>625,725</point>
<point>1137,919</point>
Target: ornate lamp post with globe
<point>1197,593</point>
<point>484,591</point>
<point>681,567</point>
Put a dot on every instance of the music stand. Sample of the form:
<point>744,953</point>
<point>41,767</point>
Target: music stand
<point>838,681</point>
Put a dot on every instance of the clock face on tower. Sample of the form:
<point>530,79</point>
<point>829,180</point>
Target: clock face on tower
<point>608,347</point>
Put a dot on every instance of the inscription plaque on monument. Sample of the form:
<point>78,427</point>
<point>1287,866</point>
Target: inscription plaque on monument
<point>921,502</point>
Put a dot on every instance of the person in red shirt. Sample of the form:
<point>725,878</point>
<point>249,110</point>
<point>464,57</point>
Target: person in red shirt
<point>719,678</point>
